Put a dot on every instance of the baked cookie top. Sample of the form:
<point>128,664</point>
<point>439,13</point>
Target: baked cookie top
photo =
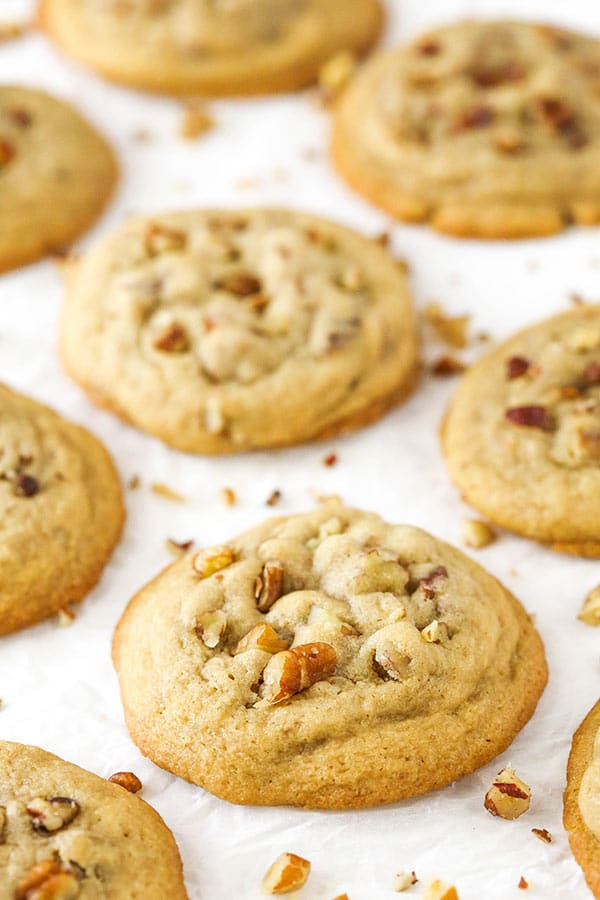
<point>66,833</point>
<point>61,511</point>
<point>211,46</point>
<point>582,798</point>
<point>522,435</point>
<point>326,660</point>
<point>481,128</point>
<point>56,174</point>
<point>222,331</point>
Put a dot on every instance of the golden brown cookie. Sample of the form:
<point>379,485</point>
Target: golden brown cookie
<point>326,660</point>
<point>66,834</point>
<point>61,511</point>
<point>219,48</point>
<point>522,435</point>
<point>484,129</point>
<point>582,798</point>
<point>56,174</point>
<point>221,331</point>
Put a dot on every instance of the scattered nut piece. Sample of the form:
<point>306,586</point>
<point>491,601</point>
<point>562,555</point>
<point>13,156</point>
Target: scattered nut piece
<point>531,417</point>
<point>262,637</point>
<point>212,560</point>
<point>403,881</point>
<point>172,339</point>
<point>196,121</point>
<point>330,460</point>
<point>210,627</point>
<point>590,611</point>
<point>508,797</point>
<point>477,534</point>
<point>127,780</point>
<point>439,890</point>
<point>543,834</point>
<point>335,74</point>
<point>178,548</point>
<point>134,482</point>
<point>435,632</point>
<point>228,496</point>
<point>163,490</point>
<point>52,813</point>
<point>268,586</point>
<point>446,366</point>
<point>451,330</point>
<point>48,880</point>
<point>273,498</point>
<point>523,885</point>
<point>288,873</point>
<point>66,615</point>
<point>292,671</point>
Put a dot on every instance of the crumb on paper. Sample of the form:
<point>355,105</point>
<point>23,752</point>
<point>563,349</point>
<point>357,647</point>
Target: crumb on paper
<point>402,881</point>
<point>542,834</point>
<point>228,496</point>
<point>437,889</point>
<point>450,330</point>
<point>509,797</point>
<point>134,482</point>
<point>590,611</point>
<point>66,615</point>
<point>196,120</point>
<point>477,534</point>
<point>288,873</point>
<point>163,490</point>
<point>523,885</point>
<point>330,460</point>
<point>178,548</point>
<point>447,366</point>
<point>273,498</point>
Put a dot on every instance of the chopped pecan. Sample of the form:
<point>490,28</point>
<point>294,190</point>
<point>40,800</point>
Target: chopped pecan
<point>160,238</point>
<point>50,814</point>
<point>273,498</point>
<point>196,121</point>
<point>268,586</point>
<point>509,141</point>
<point>435,633</point>
<point>531,417</point>
<point>478,117</point>
<point>430,584</point>
<point>390,663</point>
<point>555,113</point>
<point>26,486</point>
<point>543,834</point>
<point>228,496</point>
<point>517,366</point>
<point>48,880</point>
<point>262,637</point>
<point>178,548</point>
<point>127,780</point>
<point>495,76</point>
<point>172,339</point>
<point>330,460</point>
<point>212,560</point>
<point>292,671</point>
<point>508,797</point>
<point>210,627</point>
<point>590,611</point>
<point>288,873</point>
<point>7,152</point>
<point>437,889</point>
<point>163,490</point>
<point>403,881</point>
<point>242,284</point>
<point>477,534</point>
<point>523,884</point>
<point>447,366</point>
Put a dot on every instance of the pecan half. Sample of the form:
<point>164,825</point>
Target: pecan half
<point>268,586</point>
<point>531,417</point>
<point>50,814</point>
<point>292,671</point>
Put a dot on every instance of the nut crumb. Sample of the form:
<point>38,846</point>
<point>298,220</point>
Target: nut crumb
<point>330,460</point>
<point>477,534</point>
<point>590,611</point>
<point>450,330</point>
<point>508,797</point>
<point>437,889</point>
<point>334,75</point>
<point>178,548</point>
<point>446,366</point>
<point>66,615</point>
<point>523,885</point>
<point>543,834</point>
<point>403,881</point>
<point>288,873</point>
<point>163,490</point>
<point>228,496</point>
<point>196,120</point>
<point>127,780</point>
<point>273,498</point>
<point>134,482</point>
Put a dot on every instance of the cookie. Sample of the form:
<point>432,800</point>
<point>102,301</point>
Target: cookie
<point>66,833</point>
<point>56,174</point>
<point>522,434</point>
<point>61,511</point>
<point>581,816</point>
<point>222,331</point>
<point>483,129</point>
<point>219,48</point>
<point>326,660</point>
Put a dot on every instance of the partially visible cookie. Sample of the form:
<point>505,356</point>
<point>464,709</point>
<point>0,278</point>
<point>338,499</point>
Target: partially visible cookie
<point>222,47</point>
<point>522,435</point>
<point>56,174</point>
<point>61,511</point>
<point>223,331</point>
<point>66,834</point>
<point>326,660</point>
<point>582,798</point>
<point>480,128</point>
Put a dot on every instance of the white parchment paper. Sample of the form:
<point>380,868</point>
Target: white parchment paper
<point>58,685</point>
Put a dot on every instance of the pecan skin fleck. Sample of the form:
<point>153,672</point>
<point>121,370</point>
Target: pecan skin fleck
<point>517,366</point>
<point>531,417</point>
<point>330,460</point>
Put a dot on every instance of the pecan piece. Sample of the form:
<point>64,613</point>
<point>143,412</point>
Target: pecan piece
<point>428,48</point>
<point>446,366</point>
<point>508,797</point>
<point>50,814</point>
<point>516,366</point>
<point>435,633</point>
<point>437,889</point>
<point>26,486</point>
<point>242,284</point>
<point>494,77</point>
<point>531,417</point>
<point>160,238</point>
<point>207,562</point>
<point>48,880</point>
<point>590,611</point>
<point>390,663</point>
<point>403,881</point>
<point>2,823</point>
<point>555,113</point>
<point>268,586</point>
<point>7,152</point>
<point>210,627</point>
<point>262,637</point>
<point>543,834</point>
<point>288,873</point>
<point>127,780</point>
<point>292,671</point>
<point>172,339</point>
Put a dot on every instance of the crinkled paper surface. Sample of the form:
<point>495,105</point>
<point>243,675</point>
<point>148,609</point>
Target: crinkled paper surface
<point>58,685</point>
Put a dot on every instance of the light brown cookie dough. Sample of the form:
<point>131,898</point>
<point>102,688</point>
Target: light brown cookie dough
<point>61,511</point>
<point>217,47</point>
<point>581,815</point>
<point>66,834</point>
<point>326,660</point>
<point>484,129</point>
<point>522,435</point>
<point>56,174</point>
<point>224,331</point>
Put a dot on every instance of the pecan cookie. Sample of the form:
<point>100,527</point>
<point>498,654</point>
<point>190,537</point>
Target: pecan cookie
<point>223,331</point>
<point>581,815</point>
<point>522,435</point>
<point>489,129</point>
<point>217,47</point>
<point>326,660</point>
<point>61,511</point>
<point>56,174</point>
<point>66,834</point>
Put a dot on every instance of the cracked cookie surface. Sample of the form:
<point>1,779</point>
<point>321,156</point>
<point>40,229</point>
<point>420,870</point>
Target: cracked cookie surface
<point>485,129</point>
<point>582,798</point>
<point>56,174</point>
<point>326,660</point>
<point>522,434</point>
<point>61,511</point>
<point>223,331</point>
<point>218,47</point>
<point>66,834</point>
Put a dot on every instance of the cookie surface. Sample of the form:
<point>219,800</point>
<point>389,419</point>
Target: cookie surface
<point>67,833</point>
<point>582,798</point>
<point>522,435</point>
<point>61,511</point>
<point>220,48</point>
<point>410,666</point>
<point>226,331</point>
<point>485,129</point>
<point>56,174</point>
